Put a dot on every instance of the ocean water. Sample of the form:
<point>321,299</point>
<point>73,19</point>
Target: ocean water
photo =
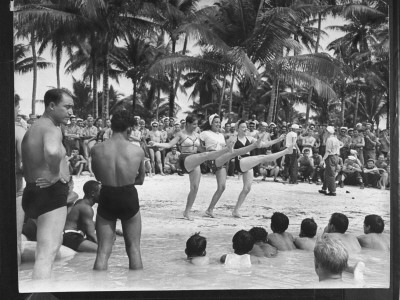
<point>165,268</point>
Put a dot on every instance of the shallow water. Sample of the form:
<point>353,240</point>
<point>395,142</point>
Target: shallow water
<point>165,268</point>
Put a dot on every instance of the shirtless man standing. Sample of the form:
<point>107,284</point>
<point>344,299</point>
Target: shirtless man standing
<point>119,166</point>
<point>337,227</point>
<point>19,135</point>
<point>46,174</point>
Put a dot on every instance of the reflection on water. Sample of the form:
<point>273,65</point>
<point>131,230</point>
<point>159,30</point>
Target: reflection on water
<point>165,268</point>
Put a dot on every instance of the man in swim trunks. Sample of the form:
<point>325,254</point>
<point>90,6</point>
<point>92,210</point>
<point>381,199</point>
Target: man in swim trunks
<point>119,166</point>
<point>19,135</point>
<point>79,233</point>
<point>46,174</point>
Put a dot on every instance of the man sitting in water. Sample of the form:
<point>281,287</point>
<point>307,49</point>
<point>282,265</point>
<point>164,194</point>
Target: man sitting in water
<point>261,247</point>
<point>119,166</point>
<point>280,239</point>
<point>337,227</point>
<point>306,239</point>
<point>242,243</point>
<point>330,261</point>
<point>79,233</point>
<point>196,250</point>
<point>373,237</point>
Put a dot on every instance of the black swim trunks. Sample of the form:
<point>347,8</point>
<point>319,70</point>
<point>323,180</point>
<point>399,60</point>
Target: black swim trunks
<point>239,145</point>
<point>72,239</point>
<point>37,201</point>
<point>118,202</point>
<point>182,158</point>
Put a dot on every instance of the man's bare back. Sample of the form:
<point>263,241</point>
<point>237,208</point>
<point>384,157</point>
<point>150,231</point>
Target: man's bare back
<point>349,241</point>
<point>281,241</point>
<point>116,162</point>
<point>376,241</point>
<point>261,249</point>
<point>305,243</point>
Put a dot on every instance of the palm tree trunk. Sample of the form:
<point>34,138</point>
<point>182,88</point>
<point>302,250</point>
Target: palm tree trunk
<point>158,102</point>
<point>58,63</point>
<point>343,107</point>
<point>221,100</point>
<point>310,91</point>
<point>105,85</point>
<point>95,95</point>
<point>356,107</point>
<point>178,77</point>
<point>171,98</point>
<point>276,102</point>
<point>272,102</point>
<point>134,96</point>
<point>34,64</point>
<point>231,91</point>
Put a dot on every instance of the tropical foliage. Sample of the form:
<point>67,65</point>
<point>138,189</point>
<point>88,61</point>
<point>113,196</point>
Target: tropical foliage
<point>242,56</point>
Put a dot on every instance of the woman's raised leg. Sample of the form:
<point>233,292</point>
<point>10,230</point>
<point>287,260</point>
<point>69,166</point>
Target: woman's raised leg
<point>247,163</point>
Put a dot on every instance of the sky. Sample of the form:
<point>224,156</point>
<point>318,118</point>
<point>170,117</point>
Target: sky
<point>47,78</point>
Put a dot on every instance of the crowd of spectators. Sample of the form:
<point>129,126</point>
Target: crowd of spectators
<point>364,152</point>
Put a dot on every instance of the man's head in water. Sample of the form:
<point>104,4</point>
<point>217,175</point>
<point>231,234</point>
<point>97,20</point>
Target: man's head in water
<point>373,224</point>
<point>338,223</point>
<point>330,257</point>
<point>308,228</point>
<point>58,105</point>
<point>242,242</point>
<point>121,121</point>
<point>92,190</point>
<point>196,246</point>
<point>279,222</point>
<point>259,234</point>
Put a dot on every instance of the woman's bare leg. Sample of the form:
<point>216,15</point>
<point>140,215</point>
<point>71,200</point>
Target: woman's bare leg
<point>247,163</point>
<point>194,177</point>
<point>221,184</point>
<point>159,162</point>
<point>221,160</point>
<point>247,181</point>
<point>153,165</point>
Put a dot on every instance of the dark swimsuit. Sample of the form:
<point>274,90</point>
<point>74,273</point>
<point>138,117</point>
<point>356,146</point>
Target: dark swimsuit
<point>239,145</point>
<point>183,156</point>
<point>73,238</point>
<point>37,201</point>
<point>118,202</point>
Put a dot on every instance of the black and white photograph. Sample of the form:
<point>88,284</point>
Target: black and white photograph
<point>182,145</point>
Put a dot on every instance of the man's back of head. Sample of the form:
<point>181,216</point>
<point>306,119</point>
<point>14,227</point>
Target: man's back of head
<point>340,222</point>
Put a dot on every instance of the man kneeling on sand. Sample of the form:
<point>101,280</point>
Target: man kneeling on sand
<point>373,237</point>
<point>79,233</point>
<point>337,227</point>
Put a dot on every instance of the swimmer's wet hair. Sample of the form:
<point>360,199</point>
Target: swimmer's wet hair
<point>55,96</point>
<point>196,245</point>
<point>340,221</point>
<point>375,223</point>
<point>330,254</point>
<point>309,227</point>
<point>259,234</point>
<point>90,186</point>
<point>242,242</point>
<point>121,121</point>
<point>279,222</point>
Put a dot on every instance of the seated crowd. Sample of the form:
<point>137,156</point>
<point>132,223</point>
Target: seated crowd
<point>364,152</point>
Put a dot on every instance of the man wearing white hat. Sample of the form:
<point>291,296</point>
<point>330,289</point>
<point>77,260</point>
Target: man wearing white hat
<point>345,139</point>
<point>331,159</point>
<point>352,171</point>
<point>291,163</point>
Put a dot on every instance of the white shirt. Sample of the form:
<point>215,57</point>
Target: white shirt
<point>291,139</point>
<point>212,140</point>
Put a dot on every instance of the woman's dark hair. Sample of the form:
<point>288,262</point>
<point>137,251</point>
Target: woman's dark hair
<point>240,122</point>
<point>242,242</point>
<point>191,118</point>
<point>196,245</point>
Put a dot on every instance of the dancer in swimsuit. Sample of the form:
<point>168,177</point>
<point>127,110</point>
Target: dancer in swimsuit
<point>189,159</point>
<point>213,140</point>
<point>245,162</point>
<point>119,166</point>
<point>46,174</point>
